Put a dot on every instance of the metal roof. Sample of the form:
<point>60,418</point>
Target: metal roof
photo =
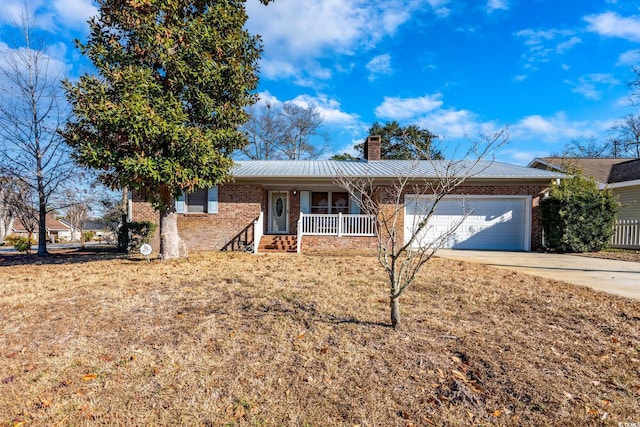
<point>319,169</point>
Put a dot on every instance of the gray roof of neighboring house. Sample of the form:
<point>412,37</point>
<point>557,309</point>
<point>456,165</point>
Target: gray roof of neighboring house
<point>309,169</point>
<point>603,170</point>
<point>625,171</point>
<point>94,225</point>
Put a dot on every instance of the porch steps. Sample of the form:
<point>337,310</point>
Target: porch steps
<point>278,244</point>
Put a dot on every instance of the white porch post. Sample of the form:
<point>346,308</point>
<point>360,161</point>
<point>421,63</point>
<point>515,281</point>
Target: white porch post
<point>339,224</point>
<point>299,241</point>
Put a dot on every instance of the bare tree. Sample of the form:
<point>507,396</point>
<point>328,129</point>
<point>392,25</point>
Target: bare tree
<point>31,112</point>
<point>264,129</point>
<point>401,250</point>
<point>23,202</point>
<point>77,214</point>
<point>589,146</point>
<point>628,134</point>
<point>303,123</point>
<point>635,87</point>
<point>7,210</point>
<point>283,131</point>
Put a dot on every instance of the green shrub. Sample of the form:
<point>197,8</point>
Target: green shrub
<point>132,235</point>
<point>577,216</point>
<point>23,244</point>
<point>88,236</point>
<point>11,239</point>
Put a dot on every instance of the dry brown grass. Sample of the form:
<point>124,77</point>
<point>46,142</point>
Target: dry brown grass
<point>236,339</point>
<point>617,254</point>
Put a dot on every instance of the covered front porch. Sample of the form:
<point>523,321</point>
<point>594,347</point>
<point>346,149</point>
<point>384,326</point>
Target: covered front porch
<point>292,214</point>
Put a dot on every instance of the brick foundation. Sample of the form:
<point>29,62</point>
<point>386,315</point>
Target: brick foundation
<point>312,244</point>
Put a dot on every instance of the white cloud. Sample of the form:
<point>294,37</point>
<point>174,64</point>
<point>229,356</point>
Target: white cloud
<point>75,12</point>
<point>428,112</point>
<point>440,7</point>
<point>536,125</point>
<point>265,98</point>
<point>50,68</point>
<point>543,44</point>
<point>404,108</point>
<point>555,128</point>
<point>379,66</point>
<point>297,34</point>
<point>520,157</point>
<point>49,15</point>
<point>493,5</point>
<point>610,24</point>
<point>452,123</point>
<point>329,108</point>
<point>630,57</point>
<point>565,46</point>
<point>591,85</point>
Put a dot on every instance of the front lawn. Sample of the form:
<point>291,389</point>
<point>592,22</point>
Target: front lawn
<point>236,339</point>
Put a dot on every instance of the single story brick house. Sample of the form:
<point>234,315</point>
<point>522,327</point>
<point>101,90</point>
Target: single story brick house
<point>57,230</point>
<point>296,206</point>
<point>622,176</point>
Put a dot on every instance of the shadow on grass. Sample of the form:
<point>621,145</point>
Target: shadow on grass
<point>63,256</point>
<point>307,313</point>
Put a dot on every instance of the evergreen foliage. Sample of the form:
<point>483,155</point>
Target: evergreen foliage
<point>132,235</point>
<point>403,142</point>
<point>163,113</point>
<point>577,216</point>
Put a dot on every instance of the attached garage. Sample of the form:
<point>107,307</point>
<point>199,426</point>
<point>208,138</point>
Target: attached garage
<point>491,222</point>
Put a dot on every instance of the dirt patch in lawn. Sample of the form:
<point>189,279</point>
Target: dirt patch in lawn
<point>236,339</point>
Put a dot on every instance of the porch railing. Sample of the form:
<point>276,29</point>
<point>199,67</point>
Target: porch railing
<point>336,225</point>
<point>626,234</point>
<point>258,227</point>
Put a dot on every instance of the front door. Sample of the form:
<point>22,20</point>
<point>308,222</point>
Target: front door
<point>279,212</point>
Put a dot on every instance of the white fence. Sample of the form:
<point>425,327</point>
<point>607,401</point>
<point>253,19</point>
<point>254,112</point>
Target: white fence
<point>626,234</point>
<point>337,225</point>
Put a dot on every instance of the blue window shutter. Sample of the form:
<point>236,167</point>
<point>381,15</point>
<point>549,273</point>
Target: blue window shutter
<point>305,202</point>
<point>180,204</point>
<point>212,205</point>
<point>355,204</point>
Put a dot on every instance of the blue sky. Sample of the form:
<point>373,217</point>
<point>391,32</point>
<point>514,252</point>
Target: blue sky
<point>552,71</point>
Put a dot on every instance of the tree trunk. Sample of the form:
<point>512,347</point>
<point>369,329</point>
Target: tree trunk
<point>171,246</point>
<point>395,312</point>
<point>42,227</point>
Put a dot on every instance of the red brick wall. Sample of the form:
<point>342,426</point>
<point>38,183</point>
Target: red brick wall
<point>239,205</point>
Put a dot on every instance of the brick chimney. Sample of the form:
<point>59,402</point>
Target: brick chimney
<point>372,148</point>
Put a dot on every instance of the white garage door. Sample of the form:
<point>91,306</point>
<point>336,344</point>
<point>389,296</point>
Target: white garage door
<point>494,223</point>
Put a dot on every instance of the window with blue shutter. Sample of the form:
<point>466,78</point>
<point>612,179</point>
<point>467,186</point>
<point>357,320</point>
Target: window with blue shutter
<point>305,202</point>
<point>212,198</point>
<point>180,204</point>
<point>198,201</point>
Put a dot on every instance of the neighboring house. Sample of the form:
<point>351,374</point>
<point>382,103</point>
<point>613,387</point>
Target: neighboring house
<point>622,176</point>
<point>99,229</point>
<point>274,204</point>
<point>56,229</point>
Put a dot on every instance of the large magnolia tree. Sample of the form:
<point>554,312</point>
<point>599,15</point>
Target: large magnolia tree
<point>162,114</point>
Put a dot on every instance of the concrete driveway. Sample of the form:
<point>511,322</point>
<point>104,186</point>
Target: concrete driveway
<point>615,277</point>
